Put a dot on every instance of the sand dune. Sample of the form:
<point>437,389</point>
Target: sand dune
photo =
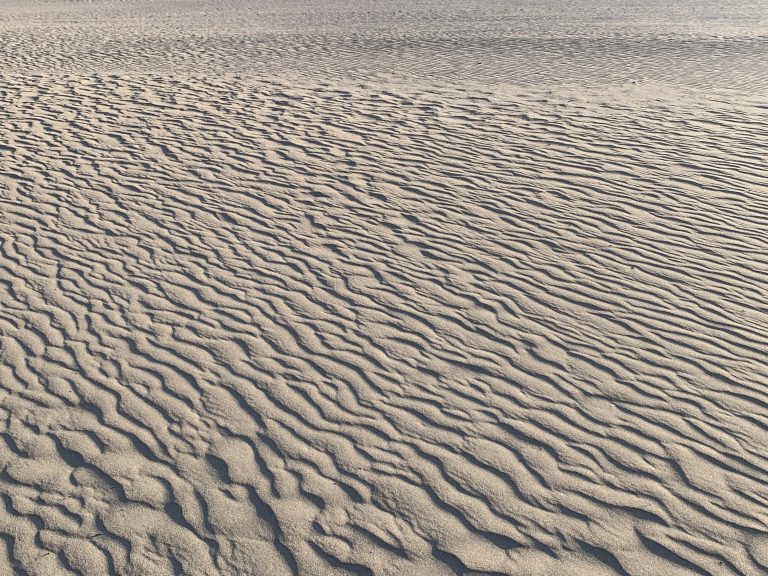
<point>300,324</point>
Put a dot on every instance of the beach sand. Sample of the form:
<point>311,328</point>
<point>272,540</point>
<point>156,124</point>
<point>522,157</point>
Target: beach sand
<point>362,288</point>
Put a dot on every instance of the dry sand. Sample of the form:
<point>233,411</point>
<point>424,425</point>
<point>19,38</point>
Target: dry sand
<point>414,288</point>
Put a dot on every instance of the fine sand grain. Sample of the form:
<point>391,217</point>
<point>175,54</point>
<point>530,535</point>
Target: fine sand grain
<point>414,288</point>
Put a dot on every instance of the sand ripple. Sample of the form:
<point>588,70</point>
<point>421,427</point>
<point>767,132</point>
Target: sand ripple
<point>254,328</point>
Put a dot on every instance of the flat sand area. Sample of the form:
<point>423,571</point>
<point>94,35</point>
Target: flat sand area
<point>383,288</point>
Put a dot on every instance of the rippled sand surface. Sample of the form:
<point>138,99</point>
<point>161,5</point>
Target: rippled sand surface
<point>385,288</point>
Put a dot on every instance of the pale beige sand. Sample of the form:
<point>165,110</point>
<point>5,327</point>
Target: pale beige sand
<point>267,325</point>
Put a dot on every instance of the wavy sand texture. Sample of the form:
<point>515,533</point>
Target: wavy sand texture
<point>709,45</point>
<point>259,327</point>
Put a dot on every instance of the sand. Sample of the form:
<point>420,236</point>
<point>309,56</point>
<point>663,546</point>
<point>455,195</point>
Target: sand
<point>418,288</point>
